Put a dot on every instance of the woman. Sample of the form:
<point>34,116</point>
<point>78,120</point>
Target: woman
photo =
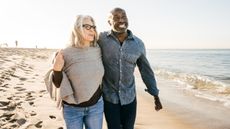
<point>80,63</point>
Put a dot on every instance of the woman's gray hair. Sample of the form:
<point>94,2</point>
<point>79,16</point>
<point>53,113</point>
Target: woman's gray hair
<point>76,38</point>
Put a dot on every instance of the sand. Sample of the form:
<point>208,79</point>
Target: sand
<point>25,103</point>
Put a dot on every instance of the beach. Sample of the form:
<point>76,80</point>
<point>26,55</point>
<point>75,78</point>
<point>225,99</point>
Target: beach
<point>26,104</point>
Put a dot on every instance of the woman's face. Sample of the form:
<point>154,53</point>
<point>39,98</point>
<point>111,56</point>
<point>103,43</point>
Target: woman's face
<point>89,30</point>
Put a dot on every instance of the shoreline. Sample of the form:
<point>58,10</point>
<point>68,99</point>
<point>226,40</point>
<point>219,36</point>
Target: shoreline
<point>189,110</point>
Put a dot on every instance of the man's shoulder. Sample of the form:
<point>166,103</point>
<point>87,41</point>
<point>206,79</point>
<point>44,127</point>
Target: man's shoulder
<point>104,33</point>
<point>102,37</point>
<point>138,41</point>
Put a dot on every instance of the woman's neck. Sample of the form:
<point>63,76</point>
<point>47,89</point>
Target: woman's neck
<point>87,44</point>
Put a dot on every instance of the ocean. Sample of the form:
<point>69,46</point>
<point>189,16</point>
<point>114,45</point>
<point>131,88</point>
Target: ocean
<point>205,72</point>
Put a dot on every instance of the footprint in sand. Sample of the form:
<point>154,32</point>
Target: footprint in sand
<point>29,97</point>
<point>10,98</point>
<point>18,92</point>
<point>18,88</point>
<point>42,92</point>
<point>4,103</point>
<point>7,78</point>
<point>6,116</point>
<point>17,97</point>
<point>7,105</point>
<point>30,67</point>
<point>2,90</point>
<point>5,86</point>
<point>33,113</point>
<point>52,117</point>
<point>15,76</point>
<point>12,105</point>
<point>22,78</point>
<point>14,126</point>
<point>19,104</point>
<point>1,81</point>
<point>31,103</point>
<point>20,84</point>
<point>12,118</point>
<point>5,75</point>
<point>28,72</point>
<point>38,125</point>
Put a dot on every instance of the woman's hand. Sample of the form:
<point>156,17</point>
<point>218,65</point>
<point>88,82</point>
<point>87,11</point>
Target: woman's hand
<point>58,61</point>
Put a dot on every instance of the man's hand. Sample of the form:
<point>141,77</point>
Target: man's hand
<point>158,105</point>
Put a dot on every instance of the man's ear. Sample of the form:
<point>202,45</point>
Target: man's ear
<point>109,22</point>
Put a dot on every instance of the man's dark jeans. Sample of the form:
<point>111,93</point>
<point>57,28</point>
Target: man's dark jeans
<point>120,116</point>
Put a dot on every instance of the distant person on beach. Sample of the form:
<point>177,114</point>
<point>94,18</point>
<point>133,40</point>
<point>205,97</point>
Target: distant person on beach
<point>16,43</point>
<point>79,67</point>
<point>121,52</point>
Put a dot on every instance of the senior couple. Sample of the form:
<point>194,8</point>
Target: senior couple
<point>99,70</point>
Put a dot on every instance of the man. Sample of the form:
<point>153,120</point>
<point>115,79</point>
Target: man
<point>121,51</point>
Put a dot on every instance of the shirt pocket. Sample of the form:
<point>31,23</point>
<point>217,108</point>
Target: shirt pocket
<point>130,58</point>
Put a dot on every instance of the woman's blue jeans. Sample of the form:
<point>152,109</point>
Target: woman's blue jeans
<point>91,117</point>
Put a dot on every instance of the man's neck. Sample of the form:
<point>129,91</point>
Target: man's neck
<point>120,36</point>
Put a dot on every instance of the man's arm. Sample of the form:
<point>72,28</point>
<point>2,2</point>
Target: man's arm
<point>148,78</point>
<point>147,75</point>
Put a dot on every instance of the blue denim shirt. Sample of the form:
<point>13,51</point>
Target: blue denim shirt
<point>119,63</point>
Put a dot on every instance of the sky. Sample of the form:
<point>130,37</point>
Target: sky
<point>161,24</point>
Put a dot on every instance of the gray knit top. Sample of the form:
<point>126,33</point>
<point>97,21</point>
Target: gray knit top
<point>84,69</point>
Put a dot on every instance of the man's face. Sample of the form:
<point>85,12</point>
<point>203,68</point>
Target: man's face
<point>119,21</point>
